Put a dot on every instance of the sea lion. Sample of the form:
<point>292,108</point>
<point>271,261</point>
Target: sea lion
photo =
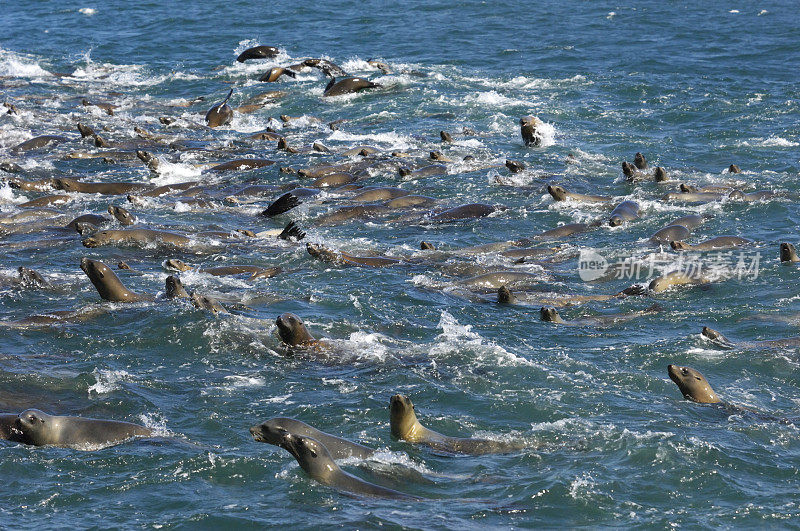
<point>71,185</point>
<point>720,242</point>
<point>551,315</point>
<point>204,302</point>
<point>241,165</point>
<point>347,85</point>
<point>733,168</point>
<point>39,429</point>
<point>254,271</point>
<point>692,384</point>
<point>137,236</point>
<point>557,233</point>
<point>283,204</point>
<point>378,194</point>
<point>718,338</point>
<point>220,114</point>
<point>470,211</point>
<point>108,284</point>
<point>639,161</point>
<point>273,74</point>
<point>8,427</point>
<point>406,427</point>
<point>560,194</point>
<point>501,278</point>
<point>258,52</point>
<point>691,221</point>
<point>625,211</point>
<point>293,331</point>
<point>410,201</point>
<point>531,136</point>
<point>788,253</point>
<point>314,458</point>
<point>272,431</point>
<point>750,197</point>
<point>426,171</point>
<point>174,288</point>
<point>122,215</point>
<point>669,234</point>
<point>693,197</point>
<point>93,219</point>
<point>660,175</point>
<point>37,143</point>
<point>45,201</point>
<point>675,278</point>
<point>344,259</point>
<point>328,68</point>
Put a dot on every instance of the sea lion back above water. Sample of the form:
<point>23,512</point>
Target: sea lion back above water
<point>220,114</point>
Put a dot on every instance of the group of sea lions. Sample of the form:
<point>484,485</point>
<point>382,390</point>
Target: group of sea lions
<point>338,191</point>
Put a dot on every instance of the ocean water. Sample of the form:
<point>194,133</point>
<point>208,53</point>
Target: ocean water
<point>695,87</point>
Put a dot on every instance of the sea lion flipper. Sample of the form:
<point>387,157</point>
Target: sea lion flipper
<point>284,203</point>
<point>226,98</point>
<point>292,231</point>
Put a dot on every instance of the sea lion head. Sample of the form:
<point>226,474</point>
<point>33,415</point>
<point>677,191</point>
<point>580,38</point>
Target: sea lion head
<point>33,425</point>
<point>311,455</point>
<point>504,296</point>
<point>177,265</point>
<point>402,417</point>
<point>688,189</point>
<point>615,221</point>
<point>271,431</point>
<point>716,337</point>
<point>660,175</point>
<point>628,169</point>
<point>639,161</point>
<point>203,302</point>
<point>550,314</point>
<point>679,246</point>
<point>122,215</point>
<point>293,331</point>
<point>97,239</point>
<point>692,384</point>
<point>733,168</point>
<point>426,246</point>
<point>321,252</point>
<point>558,193</point>
<point>788,253</point>
<point>31,278</point>
<point>174,288</point>
<point>68,185</point>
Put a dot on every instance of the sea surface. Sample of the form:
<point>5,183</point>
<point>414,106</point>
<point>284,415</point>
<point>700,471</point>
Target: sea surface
<point>694,86</point>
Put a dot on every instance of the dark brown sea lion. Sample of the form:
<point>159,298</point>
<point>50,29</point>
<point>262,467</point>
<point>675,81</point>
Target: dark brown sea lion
<point>71,185</point>
<point>788,253</point>
<point>174,288</point>
<point>38,428</point>
<point>347,85</point>
<point>293,331</point>
<point>137,236</point>
<point>258,52</point>
<point>406,427</point>
<point>204,302</point>
<point>640,162</point>
<point>470,211</point>
<point>220,114</point>
<point>93,219</point>
<point>560,194</point>
<point>108,284</point>
<point>528,128</point>
<point>122,215</point>
<point>669,234</point>
<point>254,271</point>
<point>241,165</point>
<point>273,430</point>
<point>625,211</point>
<point>45,201</point>
<point>37,143</point>
<point>344,259</point>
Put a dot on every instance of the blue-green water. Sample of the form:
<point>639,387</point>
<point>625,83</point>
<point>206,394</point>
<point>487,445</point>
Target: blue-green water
<point>695,87</point>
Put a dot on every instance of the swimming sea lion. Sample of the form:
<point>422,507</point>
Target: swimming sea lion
<point>470,211</point>
<point>718,338</point>
<point>221,113</point>
<point>720,242</point>
<point>71,185</point>
<point>108,284</point>
<point>273,430</point>
<point>675,278</point>
<point>273,74</point>
<point>788,253</point>
<point>221,271</point>
<point>38,428</point>
<point>293,331</point>
<point>314,458</point>
<point>639,161</point>
<point>625,211</point>
<point>138,236</point>
<point>174,288</point>
<point>669,234</point>
<point>733,168</point>
<point>692,384</point>
<point>528,129</point>
<point>258,52</point>
<point>551,315</point>
<point>37,142</point>
<point>324,254</point>
<point>122,215</point>
<point>406,427</point>
<point>204,302</point>
<point>347,86</point>
<point>560,194</point>
<point>8,427</point>
<point>241,165</point>
<point>559,232</point>
<point>660,175</point>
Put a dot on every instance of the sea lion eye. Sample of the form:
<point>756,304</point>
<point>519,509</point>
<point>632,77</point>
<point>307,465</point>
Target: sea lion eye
<point>684,371</point>
<point>697,378</point>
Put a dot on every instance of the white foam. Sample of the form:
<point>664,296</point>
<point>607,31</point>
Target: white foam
<point>107,381</point>
<point>16,65</point>
<point>88,11</point>
<point>393,139</point>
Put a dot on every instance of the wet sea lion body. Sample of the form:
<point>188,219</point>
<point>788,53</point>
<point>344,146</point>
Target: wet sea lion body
<point>37,143</point>
<point>273,430</point>
<point>107,283</point>
<point>135,236</point>
<point>551,315</point>
<point>462,212</point>
<point>501,278</point>
<point>314,458</point>
<point>669,234</point>
<point>347,85</point>
<point>242,165</point>
<point>625,211</point>
<point>71,185</point>
<point>426,171</point>
<point>529,126</point>
<point>560,194</point>
<point>258,52</point>
<point>559,232</point>
<point>788,253</point>
<point>324,254</point>
<point>720,242</point>
<point>39,429</point>
<point>406,427</point>
<point>292,331</point>
<point>675,278</point>
<point>221,271</point>
<point>273,74</point>
<point>718,338</point>
<point>220,114</point>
